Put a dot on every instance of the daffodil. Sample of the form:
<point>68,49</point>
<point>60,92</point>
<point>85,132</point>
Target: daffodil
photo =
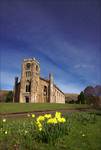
<point>28,115</point>
<point>40,118</point>
<point>39,124</point>
<point>83,135</point>
<point>4,120</point>
<point>33,115</point>
<point>5,132</point>
<point>61,120</point>
<point>40,129</point>
<point>52,121</point>
<point>47,116</point>
<point>58,114</point>
<point>26,131</point>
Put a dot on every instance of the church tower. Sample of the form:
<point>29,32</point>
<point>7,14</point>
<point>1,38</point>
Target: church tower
<point>29,84</point>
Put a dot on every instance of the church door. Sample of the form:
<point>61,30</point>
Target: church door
<point>27,99</point>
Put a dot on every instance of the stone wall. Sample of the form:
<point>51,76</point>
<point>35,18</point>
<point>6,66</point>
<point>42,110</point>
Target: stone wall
<point>33,88</point>
<point>44,90</point>
<point>59,97</point>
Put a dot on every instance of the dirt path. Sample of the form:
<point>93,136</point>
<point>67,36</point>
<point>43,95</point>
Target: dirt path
<point>39,112</point>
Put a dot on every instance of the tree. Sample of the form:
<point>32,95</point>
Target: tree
<point>97,90</point>
<point>89,91</point>
<point>93,95</point>
<point>9,97</point>
<point>81,98</point>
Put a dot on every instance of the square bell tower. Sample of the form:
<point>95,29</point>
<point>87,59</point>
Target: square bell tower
<point>29,84</point>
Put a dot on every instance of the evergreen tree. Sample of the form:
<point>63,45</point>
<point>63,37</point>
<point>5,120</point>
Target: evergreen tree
<point>81,98</point>
<point>9,97</point>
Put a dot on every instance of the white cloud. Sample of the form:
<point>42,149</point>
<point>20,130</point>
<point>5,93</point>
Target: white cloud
<point>83,66</point>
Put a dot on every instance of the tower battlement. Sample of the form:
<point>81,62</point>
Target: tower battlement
<point>31,59</point>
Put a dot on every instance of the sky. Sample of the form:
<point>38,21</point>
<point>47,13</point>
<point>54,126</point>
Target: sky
<point>63,35</point>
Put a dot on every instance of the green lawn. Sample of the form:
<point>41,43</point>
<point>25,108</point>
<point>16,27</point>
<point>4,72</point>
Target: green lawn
<point>84,134</point>
<point>23,107</point>
<point>76,141</point>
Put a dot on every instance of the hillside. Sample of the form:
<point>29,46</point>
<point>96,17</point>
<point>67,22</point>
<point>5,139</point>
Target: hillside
<point>95,91</point>
<point>3,94</point>
<point>71,97</point>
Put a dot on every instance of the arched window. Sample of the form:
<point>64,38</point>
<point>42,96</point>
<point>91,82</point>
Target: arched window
<point>28,66</point>
<point>36,67</point>
<point>28,73</point>
<point>28,86</point>
<point>45,90</point>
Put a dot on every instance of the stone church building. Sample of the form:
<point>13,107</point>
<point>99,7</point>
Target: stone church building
<point>34,89</point>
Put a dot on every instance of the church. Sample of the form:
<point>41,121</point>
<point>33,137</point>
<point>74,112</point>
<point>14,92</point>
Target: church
<point>34,89</point>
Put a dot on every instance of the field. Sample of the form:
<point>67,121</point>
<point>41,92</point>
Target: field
<point>81,131</point>
<point>3,94</point>
<point>16,107</point>
<point>69,131</point>
<point>71,96</point>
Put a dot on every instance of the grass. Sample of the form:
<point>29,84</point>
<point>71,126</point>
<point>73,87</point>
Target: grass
<point>76,140</point>
<point>85,134</point>
<point>23,107</point>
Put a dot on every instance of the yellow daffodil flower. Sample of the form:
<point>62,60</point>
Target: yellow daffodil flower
<point>47,116</point>
<point>61,120</point>
<point>52,121</point>
<point>40,129</point>
<point>40,118</point>
<point>58,114</point>
<point>33,116</point>
<point>39,124</point>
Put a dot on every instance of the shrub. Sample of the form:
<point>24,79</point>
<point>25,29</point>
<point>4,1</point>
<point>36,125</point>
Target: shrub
<point>9,97</point>
<point>81,98</point>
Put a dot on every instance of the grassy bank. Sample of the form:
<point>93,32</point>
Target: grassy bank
<point>84,134</point>
<point>23,107</point>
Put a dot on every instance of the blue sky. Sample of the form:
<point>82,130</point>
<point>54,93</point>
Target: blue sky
<point>64,35</point>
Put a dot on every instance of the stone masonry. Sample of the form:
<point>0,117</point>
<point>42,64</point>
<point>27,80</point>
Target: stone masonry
<point>34,89</point>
